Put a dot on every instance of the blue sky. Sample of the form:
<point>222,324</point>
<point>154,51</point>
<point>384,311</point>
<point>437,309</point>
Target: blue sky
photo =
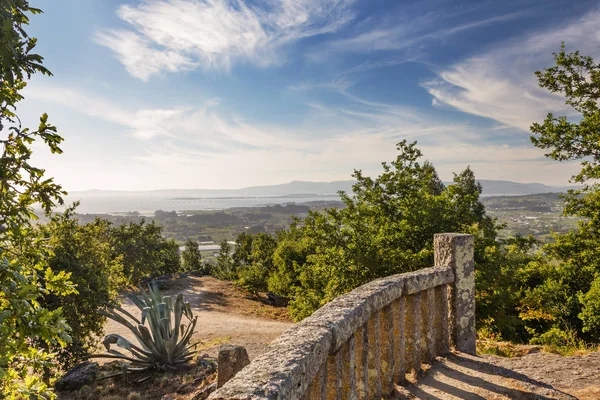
<point>158,94</point>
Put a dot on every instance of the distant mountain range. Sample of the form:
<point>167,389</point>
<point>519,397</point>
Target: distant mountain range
<point>508,188</point>
<point>146,202</point>
<point>305,188</point>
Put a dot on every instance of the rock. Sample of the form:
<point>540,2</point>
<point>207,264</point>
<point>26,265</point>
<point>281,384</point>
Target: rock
<point>276,301</point>
<point>203,393</point>
<point>80,375</point>
<point>232,359</point>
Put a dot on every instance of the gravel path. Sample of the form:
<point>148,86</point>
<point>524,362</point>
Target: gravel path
<point>225,315</point>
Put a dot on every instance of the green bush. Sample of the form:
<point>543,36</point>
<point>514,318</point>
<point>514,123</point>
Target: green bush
<point>225,268</point>
<point>386,227</point>
<point>590,312</point>
<point>145,252</point>
<point>555,337</point>
<point>257,265</point>
<point>84,252</point>
<point>191,257</point>
<point>253,278</point>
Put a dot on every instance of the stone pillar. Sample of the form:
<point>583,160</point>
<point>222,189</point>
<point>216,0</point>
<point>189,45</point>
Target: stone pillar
<point>232,359</point>
<point>457,251</point>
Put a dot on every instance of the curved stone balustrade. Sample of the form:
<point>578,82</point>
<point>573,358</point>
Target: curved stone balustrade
<point>362,343</point>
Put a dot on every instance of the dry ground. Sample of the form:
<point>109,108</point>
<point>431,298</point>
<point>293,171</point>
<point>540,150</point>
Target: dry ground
<point>225,313</point>
<point>537,375</point>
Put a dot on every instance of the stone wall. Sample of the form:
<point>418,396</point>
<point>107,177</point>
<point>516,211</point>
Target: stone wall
<point>362,343</point>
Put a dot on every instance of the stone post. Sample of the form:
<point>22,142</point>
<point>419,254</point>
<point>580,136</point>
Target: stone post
<point>457,251</point>
<point>232,359</point>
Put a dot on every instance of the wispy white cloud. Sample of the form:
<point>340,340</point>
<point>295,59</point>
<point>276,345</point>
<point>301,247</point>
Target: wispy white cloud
<point>173,35</point>
<point>411,32</point>
<point>500,84</point>
<point>191,147</point>
<point>336,84</point>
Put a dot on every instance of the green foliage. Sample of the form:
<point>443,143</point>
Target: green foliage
<point>590,311</point>
<point>145,252</point>
<point>26,328</point>
<point>289,257</point>
<point>509,304</point>
<point>577,77</point>
<point>191,257</point>
<point>258,264</point>
<point>569,295</point>
<point>84,252</point>
<point>243,249</point>
<point>386,227</point>
<point>163,337</point>
<point>225,267</point>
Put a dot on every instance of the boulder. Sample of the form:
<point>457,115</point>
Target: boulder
<point>232,359</point>
<point>80,375</point>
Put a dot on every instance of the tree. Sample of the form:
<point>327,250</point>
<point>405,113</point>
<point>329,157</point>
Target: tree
<point>84,252</point>
<point>145,252</point>
<point>225,267</point>
<point>243,249</point>
<point>386,227</point>
<point>576,77</point>
<point>25,275</point>
<point>258,265</point>
<point>191,256</point>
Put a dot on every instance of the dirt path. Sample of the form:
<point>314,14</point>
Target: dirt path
<point>533,376</point>
<point>225,315</point>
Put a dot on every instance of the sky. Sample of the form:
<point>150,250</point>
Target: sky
<point>165,94</point>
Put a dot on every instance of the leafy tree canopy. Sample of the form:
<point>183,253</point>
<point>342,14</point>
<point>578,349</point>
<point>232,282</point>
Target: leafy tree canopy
<point>83,251</point>
<point>26,328</point>
<point>576,279</point>
<point>145,252</point>
<point>191,256</point>
<point>386,227</point>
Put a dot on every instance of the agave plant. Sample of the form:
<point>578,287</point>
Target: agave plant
<point>164,340</point>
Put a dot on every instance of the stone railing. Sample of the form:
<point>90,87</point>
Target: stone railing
<point>362,343</point>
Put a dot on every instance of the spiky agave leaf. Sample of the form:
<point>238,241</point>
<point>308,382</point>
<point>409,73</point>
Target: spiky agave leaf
<point>164,340</point>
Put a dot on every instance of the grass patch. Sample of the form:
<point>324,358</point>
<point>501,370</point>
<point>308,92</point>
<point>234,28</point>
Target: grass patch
<point>504,349</point>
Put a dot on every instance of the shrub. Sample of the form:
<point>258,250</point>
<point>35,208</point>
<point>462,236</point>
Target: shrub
<point>84,252</point>
<point>590,313</point>
<point>191,257</point>
<point>144,251</point>
<point>253,277</point>
<point>225,268</point>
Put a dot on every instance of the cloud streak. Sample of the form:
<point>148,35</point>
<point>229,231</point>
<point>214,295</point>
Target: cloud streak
<point>411,32</point>
<point>177,35</point>
<point>191,147</point>
<point>500,84</point>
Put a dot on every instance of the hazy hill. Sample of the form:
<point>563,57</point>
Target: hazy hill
<point>108,201</point>
<point>295,188</point>
<point>508,188</point>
